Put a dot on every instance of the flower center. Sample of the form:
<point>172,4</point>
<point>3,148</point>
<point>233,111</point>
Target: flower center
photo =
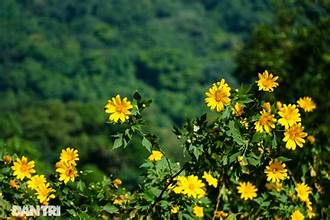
<point>289,114</point>
<point>264,119</point>
<point>267,83</point>
<point>219,95</point>
<point>120,109</point>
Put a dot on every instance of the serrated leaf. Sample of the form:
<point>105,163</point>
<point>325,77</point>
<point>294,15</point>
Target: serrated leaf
<point>235,133</point>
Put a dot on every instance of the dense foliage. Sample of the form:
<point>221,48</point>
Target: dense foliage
<point>297,47</point>
<point>242,164</point>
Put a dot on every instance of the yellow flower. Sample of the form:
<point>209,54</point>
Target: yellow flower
<point>307,104</point>
<point>310,213</point>
<point>117,182</point>
<point>13,184</point>
<point>276,171</point>
<point>36,181</point>
<point>242,161</point>
<point>198,211</point>
<point>120,199</point>
<point>175,209</point>
<point>267,107</point>
<point>119,109</point>
<point>221,214</point>
<point>311,139</point>
<point>294,136</point>
<point>276,186</point>
<point>247,190</point>
<point>279,105</point>
<point>190,186</point>
<point>238,109</point>
<point>7,159</point>
<point>218,96</point>
<point>265,123</point>
<point>303,191</point>
<point>210,179</point>
<point>67,172</point>
<point>69,155</point>
<point>289,115</point>
<point>244,123</point>
<point>267,82</point>
<point>156,155</point>
<point>23,168</point>
<point>296,215</point>
<point>44,193</point>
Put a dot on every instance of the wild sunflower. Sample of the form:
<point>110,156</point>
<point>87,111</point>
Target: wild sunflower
<point>7,159</point>
<point>294,136</point>
<point>296,215</point>
<point>119,109</point>
<point>13,184</point>
<point>156,155</point>
<point>267,107</point>
<point>265,123</point>
<point>267,82</point>
<point>238,109</point>
<point>307,104</point>
<point>218,96</point>
<point>289,115</point>
<point>303,191</point>
<point>69,155</point>
<point>276,171</point>
<point>247,190</point>
<point>311,139</point>
<point>198,211</point>
<point>67,172</point>
<point>36,181</point>
<point>23,168</point>
<point>210,179</point>
<point>190,186</point>
<point>45,193</point>
<point>117,182</point>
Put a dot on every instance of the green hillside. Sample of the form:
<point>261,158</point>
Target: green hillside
<point>61,60</point>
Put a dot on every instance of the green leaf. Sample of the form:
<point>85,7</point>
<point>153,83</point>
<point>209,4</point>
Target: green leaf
<point>118,142</point>
<point>147,144</point>
<point>253,159</point>
<point>283,159</point>
<point>233,157</point>
<point>274,142</point>
<point>137,96</point>
<point>197,151</point>
<point>235,133</point>
<point>110,208</point>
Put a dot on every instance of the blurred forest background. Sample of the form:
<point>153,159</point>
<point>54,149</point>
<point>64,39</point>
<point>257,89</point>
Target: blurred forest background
<point>61,60</point>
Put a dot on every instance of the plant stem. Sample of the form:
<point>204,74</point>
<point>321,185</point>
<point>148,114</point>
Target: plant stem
<point>159,198</point>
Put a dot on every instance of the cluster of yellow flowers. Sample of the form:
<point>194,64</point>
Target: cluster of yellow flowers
<point>192,186</point>
<point>22,168</point>
<point>218,96</point>
<point>66,167</point>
